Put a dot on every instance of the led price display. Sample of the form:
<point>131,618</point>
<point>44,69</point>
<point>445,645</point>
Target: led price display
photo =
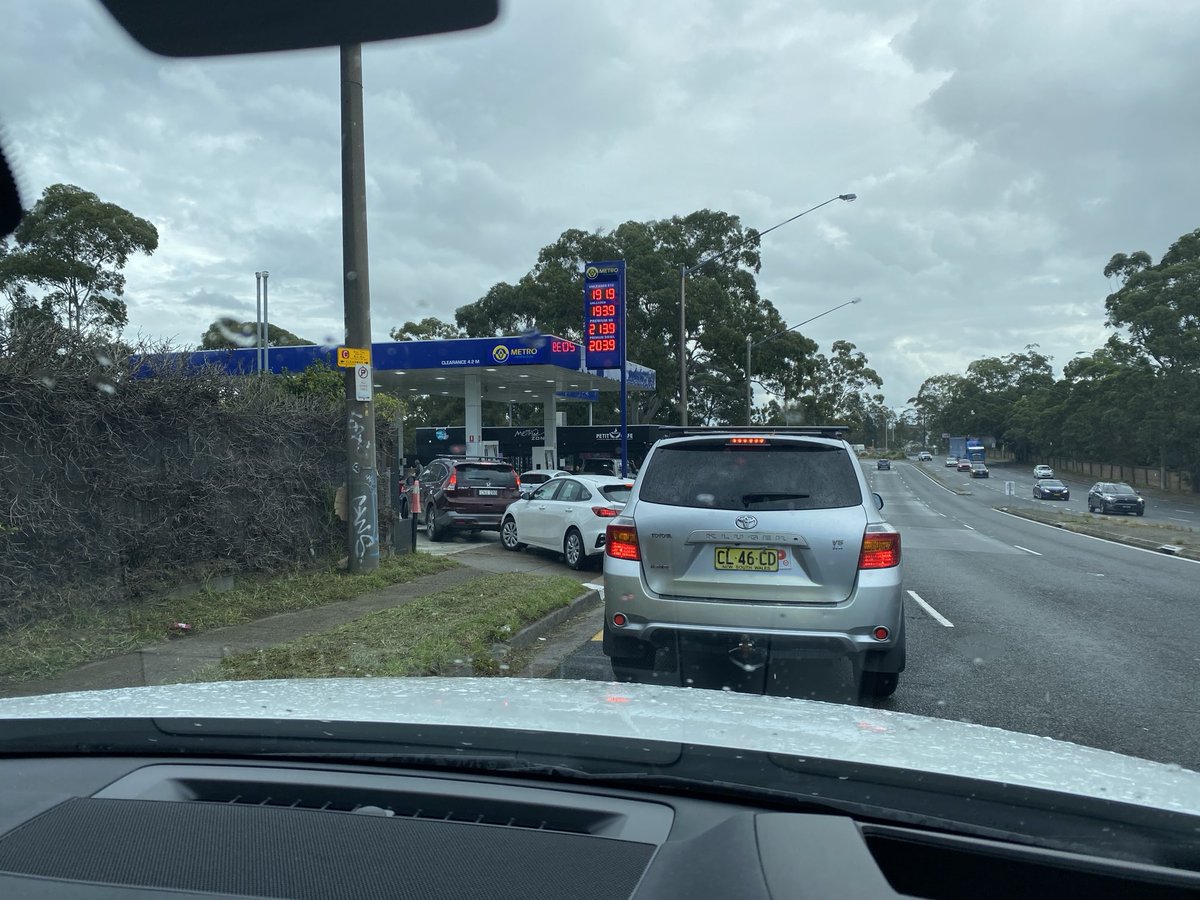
<point>603,318</point>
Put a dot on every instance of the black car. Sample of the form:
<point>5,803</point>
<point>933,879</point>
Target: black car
<point>883,464</point>
<point>979,470</point>
<point>465,494</point>
<point>1111,497</point>
<point>1051,489</point>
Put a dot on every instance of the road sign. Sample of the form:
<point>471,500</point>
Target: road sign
<point>362,381</point>
<point>604,315</point>
<point>352,356</point>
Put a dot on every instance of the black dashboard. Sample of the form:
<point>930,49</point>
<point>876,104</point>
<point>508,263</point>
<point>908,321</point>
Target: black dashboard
<point>135,827</point>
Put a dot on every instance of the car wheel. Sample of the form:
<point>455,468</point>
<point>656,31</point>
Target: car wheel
<point>573,551</point>
<point>508,535</point>
<point>879,684</point>
<point>1141,512</point>
<point>431,528</point>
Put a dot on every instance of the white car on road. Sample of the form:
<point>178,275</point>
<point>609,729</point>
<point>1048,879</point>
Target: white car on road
<point>568,514</point>
<point>1043,472</point>
<point>540,476</point>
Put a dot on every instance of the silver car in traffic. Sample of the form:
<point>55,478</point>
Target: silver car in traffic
<point>768,544</point>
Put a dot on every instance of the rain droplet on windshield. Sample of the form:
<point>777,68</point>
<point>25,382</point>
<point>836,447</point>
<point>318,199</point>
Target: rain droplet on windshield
<point>243,334</point>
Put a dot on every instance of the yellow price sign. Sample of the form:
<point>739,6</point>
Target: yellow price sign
<point>348,357</point>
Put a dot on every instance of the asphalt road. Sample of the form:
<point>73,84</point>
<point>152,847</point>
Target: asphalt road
<point>1018,625</point>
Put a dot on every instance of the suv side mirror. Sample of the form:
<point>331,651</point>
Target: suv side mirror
<point>878,501</point>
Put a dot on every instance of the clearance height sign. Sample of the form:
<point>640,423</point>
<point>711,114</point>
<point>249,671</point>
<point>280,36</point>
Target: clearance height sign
<point>604,315</point>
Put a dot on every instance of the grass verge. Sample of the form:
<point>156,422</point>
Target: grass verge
<point>1122,529</point>
<point>450,632</point>
<point>51,646</point>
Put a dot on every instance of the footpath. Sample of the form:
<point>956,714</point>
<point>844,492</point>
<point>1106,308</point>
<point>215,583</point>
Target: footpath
<point>176,660</point>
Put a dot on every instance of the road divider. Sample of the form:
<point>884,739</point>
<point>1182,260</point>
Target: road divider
<point>1151,537</point>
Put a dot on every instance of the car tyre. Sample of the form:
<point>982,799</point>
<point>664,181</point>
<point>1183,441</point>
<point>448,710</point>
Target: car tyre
<point>508,535</point>
<point>1141,512</point>
<point>879,684</point>
<point>432,531</point>
<point>574,552</point>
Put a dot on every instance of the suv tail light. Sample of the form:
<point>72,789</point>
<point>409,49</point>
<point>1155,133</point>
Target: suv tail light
<point>452,482</point>
<point>606,512</point>
<point>880,550</point>
<point>621,542</point>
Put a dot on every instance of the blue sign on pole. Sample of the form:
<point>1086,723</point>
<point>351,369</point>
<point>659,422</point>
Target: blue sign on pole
<point>604,330</point>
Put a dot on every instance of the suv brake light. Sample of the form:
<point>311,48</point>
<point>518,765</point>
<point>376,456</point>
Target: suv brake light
<point>621,542</point>
<point>452,482</point>
<point>880,550</point>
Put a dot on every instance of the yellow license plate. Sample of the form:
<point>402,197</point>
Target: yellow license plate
<point>747,559</point>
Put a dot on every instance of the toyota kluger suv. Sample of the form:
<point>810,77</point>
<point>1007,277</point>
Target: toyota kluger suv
<point>760,546</point>
<point>465,494</point>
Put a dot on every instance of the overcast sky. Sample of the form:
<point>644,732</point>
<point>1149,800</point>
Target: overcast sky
<point>1002,152</point>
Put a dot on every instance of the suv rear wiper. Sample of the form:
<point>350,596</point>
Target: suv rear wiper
<point>747,499</point>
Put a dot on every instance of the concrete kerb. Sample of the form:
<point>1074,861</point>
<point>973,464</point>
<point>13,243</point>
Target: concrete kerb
<point>529,635</point>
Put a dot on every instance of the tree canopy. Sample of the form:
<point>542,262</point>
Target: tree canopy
<point>71,248</point>
<point>723,307</point>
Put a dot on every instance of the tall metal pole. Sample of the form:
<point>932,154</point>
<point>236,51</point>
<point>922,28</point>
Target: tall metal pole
<point>749,387</point>
<point>258,329</point>
<point>683,410</point>
<point>266,327</point>
<point>362,517</point>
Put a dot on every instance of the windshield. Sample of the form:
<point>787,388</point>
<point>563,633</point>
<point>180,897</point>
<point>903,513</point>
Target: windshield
<point>783,309</point>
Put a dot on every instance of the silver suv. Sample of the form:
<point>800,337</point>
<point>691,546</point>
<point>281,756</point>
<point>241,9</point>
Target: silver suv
<point>767,544</point>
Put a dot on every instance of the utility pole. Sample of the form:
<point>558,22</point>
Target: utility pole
<point>362,496</point>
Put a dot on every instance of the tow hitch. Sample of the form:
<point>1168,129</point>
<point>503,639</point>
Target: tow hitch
<point>748,657</point>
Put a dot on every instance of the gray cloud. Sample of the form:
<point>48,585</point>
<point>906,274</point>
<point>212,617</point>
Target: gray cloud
<point>1002,152</point>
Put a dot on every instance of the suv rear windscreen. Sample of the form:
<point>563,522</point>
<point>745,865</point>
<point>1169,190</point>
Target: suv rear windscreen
<point>476,476</point>
<point>779,475</point>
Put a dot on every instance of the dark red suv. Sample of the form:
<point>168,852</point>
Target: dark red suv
<point>465,495</point>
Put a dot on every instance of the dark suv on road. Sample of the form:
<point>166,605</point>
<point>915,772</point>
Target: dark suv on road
<point>469,495</point>
<point>760,546</point>
<point>1110,497</point>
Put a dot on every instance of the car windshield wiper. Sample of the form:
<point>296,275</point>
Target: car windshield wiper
<point>747,499</point>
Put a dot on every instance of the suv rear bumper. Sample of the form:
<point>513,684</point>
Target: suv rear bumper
<point>452,518</point>
<point>843,628</point>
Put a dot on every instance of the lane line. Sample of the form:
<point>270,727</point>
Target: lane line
<point>1027,550</point>
<point>1186,512</point>
<point>938,483</point>
<point>929,609</point>
<point>1092,537</point>
<point>965,525</point>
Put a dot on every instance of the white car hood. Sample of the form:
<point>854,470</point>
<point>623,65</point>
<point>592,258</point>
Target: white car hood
<point>803,728</point>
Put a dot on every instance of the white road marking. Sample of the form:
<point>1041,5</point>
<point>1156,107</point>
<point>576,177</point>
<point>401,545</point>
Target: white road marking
<point>965,525</point>
<point>1177,519</point>
<point>1186,512</point>
<point>935,481</point>
<point>1027,550</point>
<point>929,609</point>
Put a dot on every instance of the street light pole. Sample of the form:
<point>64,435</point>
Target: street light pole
<point>751,344</point>
<point>685,271</point>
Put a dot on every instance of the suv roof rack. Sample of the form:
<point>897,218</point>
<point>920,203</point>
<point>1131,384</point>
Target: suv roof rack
<point>827,431</point>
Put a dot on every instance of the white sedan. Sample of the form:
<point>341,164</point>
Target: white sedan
<point>1043,472</point>
<point>540,476</point>
<point>568,514</point>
